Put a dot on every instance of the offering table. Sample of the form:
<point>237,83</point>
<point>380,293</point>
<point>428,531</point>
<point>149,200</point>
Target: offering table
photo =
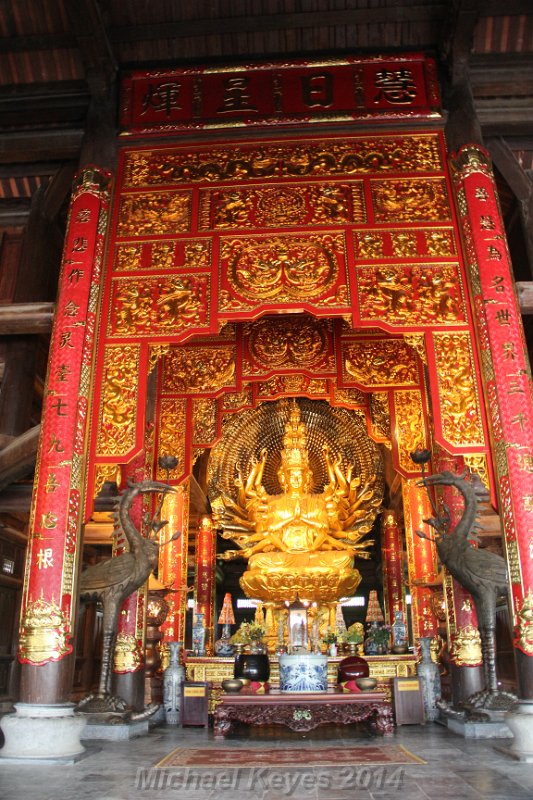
<point>215,669</point>
<point>303,711</point>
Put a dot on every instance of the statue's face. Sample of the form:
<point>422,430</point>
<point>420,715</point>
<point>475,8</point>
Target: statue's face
<point>295,478</point>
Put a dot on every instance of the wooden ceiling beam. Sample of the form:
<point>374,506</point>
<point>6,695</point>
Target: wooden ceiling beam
<point>17,460</point>
<point>42,145</point>
<point>16,499</point>
<point>23,318</point>
<point>91,35</point>
<point>208,26</point>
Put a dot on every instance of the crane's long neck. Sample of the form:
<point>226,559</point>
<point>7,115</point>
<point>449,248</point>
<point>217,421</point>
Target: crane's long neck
<point>468,518</point>
<point>130,531</point>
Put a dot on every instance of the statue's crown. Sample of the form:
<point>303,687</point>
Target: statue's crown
<point>295,452</point>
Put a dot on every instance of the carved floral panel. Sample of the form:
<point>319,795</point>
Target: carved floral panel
<point>118,404</point>
<point>459,401</point>
<point>410,427</point>
<point>375,245</point>
<point>172,434</point>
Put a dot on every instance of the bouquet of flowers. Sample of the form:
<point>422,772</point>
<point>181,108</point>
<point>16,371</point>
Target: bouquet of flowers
<point>330,637</point>
<point>248,632</point>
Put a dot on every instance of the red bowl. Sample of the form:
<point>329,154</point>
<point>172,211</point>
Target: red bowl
<point>351,668</point>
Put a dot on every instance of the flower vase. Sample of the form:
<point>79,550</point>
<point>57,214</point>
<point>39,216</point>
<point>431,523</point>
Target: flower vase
<point>333,650</point>
<point>430,674</point>
<point>173,677</point>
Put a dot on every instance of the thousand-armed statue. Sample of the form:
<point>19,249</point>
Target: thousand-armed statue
<point>299,542</point>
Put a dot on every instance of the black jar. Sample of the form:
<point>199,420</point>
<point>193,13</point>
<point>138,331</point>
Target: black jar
<point>254,666</point>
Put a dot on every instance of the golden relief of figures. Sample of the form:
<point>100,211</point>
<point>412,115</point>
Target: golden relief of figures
<point>411,295</point>
<point>167,254</point>
<point>410,200</point>
<point>294,340</point>
<point>382,362</point>
<point>151,306</point>
<point>459,401</point>
<point>282,268</point>
<point>282,206</point>
<point>154,213</point>
<point>280,385</point>
<point>376,245</point>
<point>192,370</point>
<point>354,155</point>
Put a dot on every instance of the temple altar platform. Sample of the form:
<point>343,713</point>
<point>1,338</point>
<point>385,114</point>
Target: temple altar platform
<point>215,670</point>
<point>303,712</point>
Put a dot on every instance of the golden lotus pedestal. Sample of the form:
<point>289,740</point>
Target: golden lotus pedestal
<point>321,577</point>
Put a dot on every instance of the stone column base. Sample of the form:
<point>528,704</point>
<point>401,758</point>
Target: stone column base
<point>42,732</point>
<point>520,721</point>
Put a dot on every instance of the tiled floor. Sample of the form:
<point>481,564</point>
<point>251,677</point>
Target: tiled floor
<point>456,769</point>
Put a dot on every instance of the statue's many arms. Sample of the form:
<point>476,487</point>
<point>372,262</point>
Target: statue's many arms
<point>297,521</point>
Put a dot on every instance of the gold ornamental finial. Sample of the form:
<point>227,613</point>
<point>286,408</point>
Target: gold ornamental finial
<point>294,454</point>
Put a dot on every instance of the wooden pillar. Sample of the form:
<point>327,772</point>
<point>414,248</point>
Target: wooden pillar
<point>506,378</point>
<point>50,594</point>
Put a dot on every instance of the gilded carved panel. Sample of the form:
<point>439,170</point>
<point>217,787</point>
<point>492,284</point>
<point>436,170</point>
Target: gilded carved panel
<point>199,370</point>
<point>459,401</point>
<point>154,213</point>
<point>411,294</point>
<point>236,401</point>
<point>410,200</point>
<point>163,254</point>
<point>376,245</point>
<point>118,404</point>
<point>380,416</point>
<point>288,342</point>
<point>172,432</point>
<point>204,420</point>
<point>353,398</point>
<point>379,363</point>
<point>354,155</point>
<point>410,427</point>
<point>163,304</point>
<point>283,269</point>
<point>277,206</point>
<point>280,385</point>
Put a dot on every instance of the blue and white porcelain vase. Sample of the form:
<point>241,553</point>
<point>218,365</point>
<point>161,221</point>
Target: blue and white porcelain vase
<point>429,672</point>
<point>173,677</point>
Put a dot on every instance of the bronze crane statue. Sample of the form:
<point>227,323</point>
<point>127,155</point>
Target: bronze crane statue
<point>481,572</point>
<point>114,580</point>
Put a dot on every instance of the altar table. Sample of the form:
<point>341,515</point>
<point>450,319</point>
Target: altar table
<point>303,711</point>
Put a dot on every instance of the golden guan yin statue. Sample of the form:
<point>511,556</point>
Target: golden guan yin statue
<point>299,544</point>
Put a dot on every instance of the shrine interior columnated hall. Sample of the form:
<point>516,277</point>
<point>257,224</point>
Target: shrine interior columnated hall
<point>266,411</point>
